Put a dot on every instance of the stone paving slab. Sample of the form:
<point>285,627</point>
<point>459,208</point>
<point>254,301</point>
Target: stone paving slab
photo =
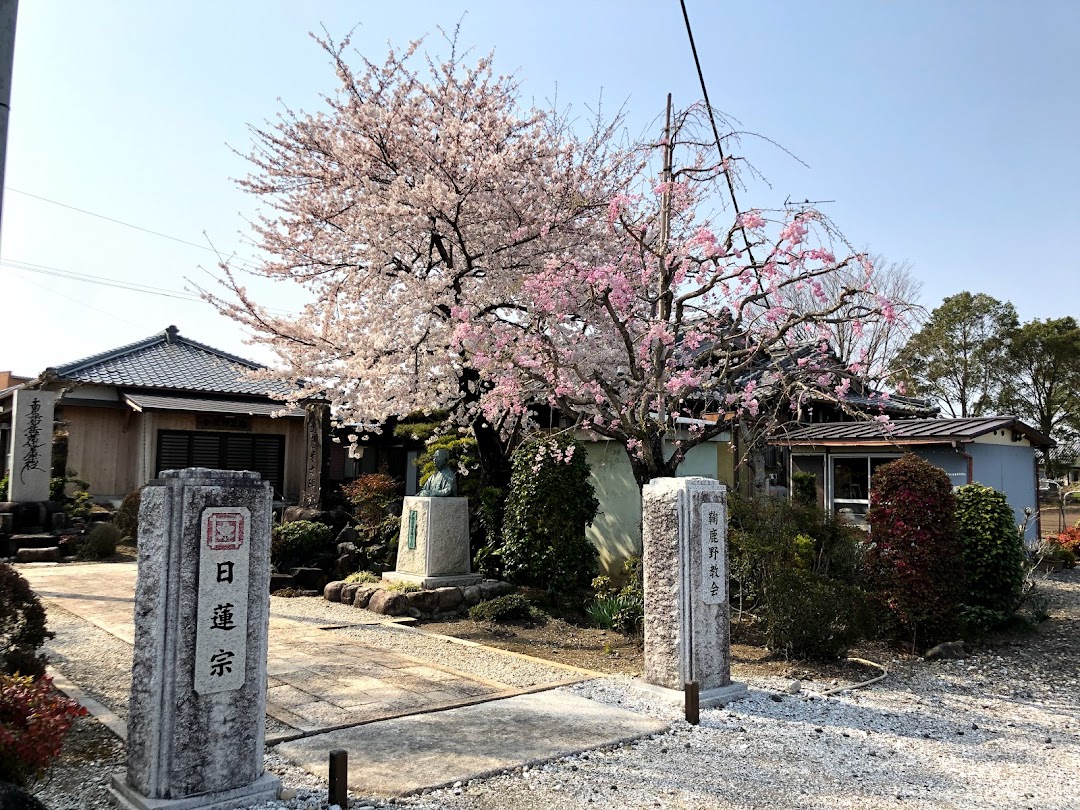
<point>409,754</point>
<point>316,679</point>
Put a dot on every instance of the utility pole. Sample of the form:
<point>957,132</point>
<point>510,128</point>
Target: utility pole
<point>9,10</point>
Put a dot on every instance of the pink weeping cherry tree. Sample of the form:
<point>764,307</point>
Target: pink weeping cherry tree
<point>677,324</point>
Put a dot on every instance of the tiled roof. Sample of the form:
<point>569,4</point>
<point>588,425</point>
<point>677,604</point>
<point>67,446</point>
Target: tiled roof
<point>168,360</point>
<point>240,407</point>
<point>910,431</point>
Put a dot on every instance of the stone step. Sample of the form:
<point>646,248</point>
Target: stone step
<point>34,540</point>
<point>28,555</point>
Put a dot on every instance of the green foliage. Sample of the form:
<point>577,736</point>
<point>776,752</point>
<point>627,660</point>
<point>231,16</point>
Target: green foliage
<point>551,503</point>
<point>403,587</point>
<point>959,355</point>
<point>100,542</point>
<point>22,626</point>
<point>34,720</point>
<point>298,543</point>
<point>797,568</point>
<point>77,505</point>
<point>621,609</point>
<point>126,518</point>
<point>915,564</point>
<point>808,615</point>
<point>464,460</point>
<point>993,556</point>
<point>4,487</point>
<point>372,497</point>
<point>508,608</point>
<point>804,488</point>
<point>363,576</point>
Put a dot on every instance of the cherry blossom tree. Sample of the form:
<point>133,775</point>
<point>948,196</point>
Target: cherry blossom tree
<point>680,320</point>
<point>420,197</point>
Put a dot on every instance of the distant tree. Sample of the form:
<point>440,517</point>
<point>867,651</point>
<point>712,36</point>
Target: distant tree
<point>1043,386</point>
<point>870,348</point>
<point>959,356</point>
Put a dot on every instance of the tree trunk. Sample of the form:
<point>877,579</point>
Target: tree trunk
<point>650,462</point>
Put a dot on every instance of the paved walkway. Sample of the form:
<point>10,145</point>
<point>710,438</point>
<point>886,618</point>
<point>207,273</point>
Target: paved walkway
<point>317,680</point>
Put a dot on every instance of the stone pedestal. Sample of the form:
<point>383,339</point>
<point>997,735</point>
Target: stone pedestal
<point>196,723</point>
<point>687,630</point>
<point>30,456</point>
<point>433,545</point>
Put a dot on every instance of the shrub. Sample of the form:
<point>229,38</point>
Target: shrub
<point>4,487</point>
<point>371,496</point>
<point>126,518</point>
<point>100,542</point>
<point>297,543</point>
<point>804,488</point>
<point>551,502</point>
<point>993,556</point>
<point>621,609</point>
<point>811,616</point>
<point>33,723</point>
<point>508,608</point>
<point>403,587</point>
<point>22,626</point>
<point>1070,540</point>
<point>77,505</point>
<point>363,576</point>
<point>915,562</point>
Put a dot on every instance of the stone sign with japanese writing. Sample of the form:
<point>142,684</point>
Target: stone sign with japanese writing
<point>30,454</point>
<point>684,544</point>
<point>196,725</point>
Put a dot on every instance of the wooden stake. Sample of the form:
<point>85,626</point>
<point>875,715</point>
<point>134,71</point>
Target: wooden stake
<point>692,697</point>
<point>339,778</point>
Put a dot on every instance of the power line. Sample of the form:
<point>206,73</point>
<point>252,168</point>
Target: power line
<point>121,222</point>
<point>130,286</point>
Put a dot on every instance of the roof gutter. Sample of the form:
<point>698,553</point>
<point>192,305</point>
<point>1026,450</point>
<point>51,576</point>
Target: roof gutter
<point>970,461</point>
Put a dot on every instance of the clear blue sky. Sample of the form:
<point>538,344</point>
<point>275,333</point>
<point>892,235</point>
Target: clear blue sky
<point>946,132</point>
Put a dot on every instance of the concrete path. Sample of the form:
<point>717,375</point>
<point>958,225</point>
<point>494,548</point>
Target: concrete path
<point>397,757</point>
<point>317,680</point>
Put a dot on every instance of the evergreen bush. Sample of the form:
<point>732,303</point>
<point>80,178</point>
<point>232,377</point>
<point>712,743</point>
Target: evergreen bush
<point>915,563</point>
<point>508,608</point>
<point>100,542</point>
<point>808,615</point>
<point>551,503</point>
<point>126,518</point>
<point>22,626</point>
<point>299,543</point>
<point>993,556</point>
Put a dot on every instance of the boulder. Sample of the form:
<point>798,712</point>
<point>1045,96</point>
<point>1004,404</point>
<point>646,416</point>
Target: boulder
<point>347,535</point>
<point>388,603</point>
<point>490,588</point>
<point>946,650</point>
<point>449,599</point>
<point>309,579</point>
<point>363,596</point>
<point>295,513</point>
<point>470,595</point>
<point>332,591</point>
<point>427,602</point>
<point>28,555</point>
<point>279,582</point>
<point>348,592</point>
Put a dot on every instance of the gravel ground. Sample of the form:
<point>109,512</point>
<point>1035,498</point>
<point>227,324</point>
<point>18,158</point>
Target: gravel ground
<point>1000,729</point>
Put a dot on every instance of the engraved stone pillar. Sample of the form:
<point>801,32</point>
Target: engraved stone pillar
<point>687,632</point>
<point>196,723</point>
<point>30,456</point>
<point>433,544</point>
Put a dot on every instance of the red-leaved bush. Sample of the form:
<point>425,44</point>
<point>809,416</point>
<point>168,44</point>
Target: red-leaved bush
<point>34,720</point>
<point>915,562</point>
<point>1070,539</point>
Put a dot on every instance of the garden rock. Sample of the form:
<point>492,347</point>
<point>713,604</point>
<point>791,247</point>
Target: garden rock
<point>946,650</point>
<point>309,579</point>
<point>388,603</point>
<point>490,588</point>
<point>794,688</point>
<point>279,582</point>
<point>348,592</point>
<point>363,596</point>
<point>449,599</point>
<point>29,555</point>
<point>424,601</point>
<point>347,535</point>
<point>471,595</point>
<point>332,591</point>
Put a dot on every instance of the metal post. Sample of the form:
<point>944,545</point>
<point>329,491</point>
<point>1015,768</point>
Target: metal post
<point>692,694</point>
<point>339,778</point>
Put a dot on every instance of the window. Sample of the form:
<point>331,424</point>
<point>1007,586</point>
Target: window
<point>261,452</point>
<point>851,485</point>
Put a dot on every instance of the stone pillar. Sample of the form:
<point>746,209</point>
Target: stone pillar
<point>196,723</point>
<point>433,544</point>
<point>30,455</point>
<point>316,428</point>
<point>687,631</point>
